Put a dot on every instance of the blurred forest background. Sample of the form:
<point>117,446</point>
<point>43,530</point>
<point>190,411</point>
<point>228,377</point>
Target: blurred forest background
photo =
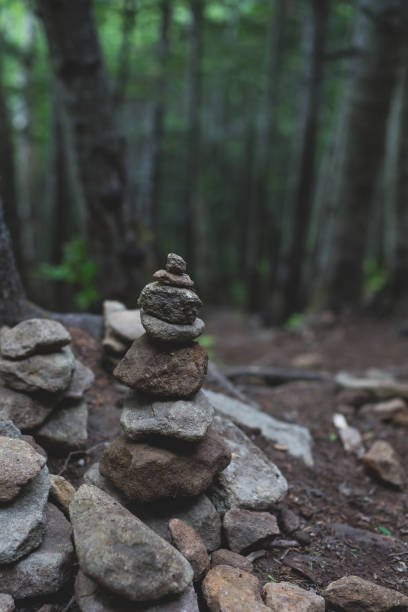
<point>266,141</point>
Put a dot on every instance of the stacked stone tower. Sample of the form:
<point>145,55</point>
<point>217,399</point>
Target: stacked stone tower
<point>169,448</point>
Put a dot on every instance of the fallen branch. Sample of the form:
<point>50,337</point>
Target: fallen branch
<point>275,376</point>
<point>218,378</point>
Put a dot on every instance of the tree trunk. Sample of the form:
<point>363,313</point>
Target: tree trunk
<point>259,230</point>
<point>315,36</point>
<point>78,65</point>
<point>129,11</point>
<point>397,282</point>
<point>193,133</point>
<point>380,31</point>
<point>12,296</point>
<point>8,175</point>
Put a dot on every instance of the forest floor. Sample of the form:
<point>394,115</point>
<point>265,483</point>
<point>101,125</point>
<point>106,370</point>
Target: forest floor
<point>336,498</point>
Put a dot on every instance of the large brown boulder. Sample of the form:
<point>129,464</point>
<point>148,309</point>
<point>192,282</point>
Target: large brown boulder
<point>163,370</point>
<point>147,472</point>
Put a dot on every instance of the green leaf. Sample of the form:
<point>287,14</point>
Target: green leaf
<point>384,530</point>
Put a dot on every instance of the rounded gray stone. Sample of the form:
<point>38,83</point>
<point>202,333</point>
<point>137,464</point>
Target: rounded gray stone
<point>25,411</point>
<point>33,336</point>
<point>46,569</point>
<point>51,372</point>
<point>175,264</point>
<point>22,522</point>
<point>66,429</point>
<point>172,304</point>
<point>81,381</point>
<point>183,419</point>
<point>6,603</point>
<point>123,555</point>
<point>171,332</point>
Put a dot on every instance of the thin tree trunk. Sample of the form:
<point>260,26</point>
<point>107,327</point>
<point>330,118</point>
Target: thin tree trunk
<point>7,173</point>
<point>193,132</point>
<point>78,65</point>
<point>315,36</point>
<point>12,296</point>
<point>129,12</point>
<point>259,220</point>
<point>380,32</point>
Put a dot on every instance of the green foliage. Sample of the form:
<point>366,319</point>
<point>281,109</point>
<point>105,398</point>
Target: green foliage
<point>384,530</point>
<point>78,270</point>
<point>295,321</point>
<point>208,342</point>
<point>375,278</point>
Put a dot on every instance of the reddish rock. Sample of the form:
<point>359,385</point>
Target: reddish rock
<point>227,557</point>
<point>354,593</point>
<point>384,462</point>
<point>245,529</point>
<point>287,597</point>
<point>228,589</point>
<point>189,543</point>
<point>146,473</point>
<point>166,371</point>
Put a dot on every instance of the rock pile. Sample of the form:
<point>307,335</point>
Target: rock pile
<point>42,384</point>
<point>121,328</point>
<point>36,551</point>
<point>169,448</point>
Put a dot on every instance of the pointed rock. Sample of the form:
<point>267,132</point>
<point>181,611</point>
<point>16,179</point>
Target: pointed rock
<point>22,522</point>
<point>123,555</point>
<point>354,593</point>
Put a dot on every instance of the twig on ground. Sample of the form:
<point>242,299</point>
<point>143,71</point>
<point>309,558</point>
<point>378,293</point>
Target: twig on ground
<point>87,451</point>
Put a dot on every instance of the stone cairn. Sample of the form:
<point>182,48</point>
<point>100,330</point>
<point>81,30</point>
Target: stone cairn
<point>169,452</point>
<point>42,384</point>
<point>36,551</point>
<point>168,448</point>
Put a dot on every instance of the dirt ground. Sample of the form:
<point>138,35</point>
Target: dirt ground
<point>335,499</point>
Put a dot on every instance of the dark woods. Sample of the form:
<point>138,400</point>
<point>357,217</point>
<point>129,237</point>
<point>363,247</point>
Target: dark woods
<point>264,140</point>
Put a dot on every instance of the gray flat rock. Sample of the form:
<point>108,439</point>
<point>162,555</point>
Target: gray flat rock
<point>126,324</point>
<point>51,372</point>
<point>296,437</point>
<point>91,597</point>
<point>25,411</point>
<point>183,419</point>
<point>172,304</point>
<point>66,429</point>
<point>81,381</point>
<point>171,332</point>
<point>33,336</point>
<point>198,512</point>
<point>123,555</point>
<point>251,480</point>
<point>45,570</point>
<point>377,384</point>
<point>22,522</point>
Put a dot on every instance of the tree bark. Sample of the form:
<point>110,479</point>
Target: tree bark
<point>8,175</point>
<point>315,38</point>
<point>259,228</point>
<point>193,132</point>
<point>12,297</point>
<point>78,65</point>
<point>380,32</point>
<point>129,12</point>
